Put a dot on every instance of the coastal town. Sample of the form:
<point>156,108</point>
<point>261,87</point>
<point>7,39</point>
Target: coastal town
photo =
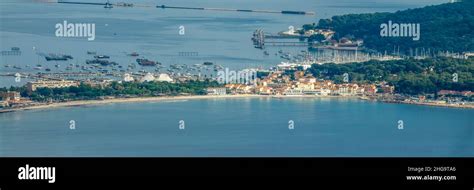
<point>279,82</point>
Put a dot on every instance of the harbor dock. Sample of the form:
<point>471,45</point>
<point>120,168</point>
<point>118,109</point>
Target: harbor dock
<point>259,39</point>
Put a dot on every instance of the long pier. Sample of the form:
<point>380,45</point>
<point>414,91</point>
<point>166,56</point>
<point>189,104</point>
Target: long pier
<point>238,10</point>
<point>110,5</point>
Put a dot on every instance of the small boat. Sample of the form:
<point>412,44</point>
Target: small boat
<point>101,62</point>
<point>286,56</point>
<point>145,62</point>
<point>208,63</point>
<point>102,57</point>
<point>54,57</point>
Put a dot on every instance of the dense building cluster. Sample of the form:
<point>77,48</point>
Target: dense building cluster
<point>279,83</point>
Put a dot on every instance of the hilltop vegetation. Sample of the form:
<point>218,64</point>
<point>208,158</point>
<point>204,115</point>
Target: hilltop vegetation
<point>409,76</point>
<point>445,27</point>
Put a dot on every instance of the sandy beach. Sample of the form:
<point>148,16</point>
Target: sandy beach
<point>155,99</point>
<point>125,100</point>
<point>174,98</point>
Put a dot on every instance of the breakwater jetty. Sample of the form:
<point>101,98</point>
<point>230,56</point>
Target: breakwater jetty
<point>238,10</point>
<point>110,5</point>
